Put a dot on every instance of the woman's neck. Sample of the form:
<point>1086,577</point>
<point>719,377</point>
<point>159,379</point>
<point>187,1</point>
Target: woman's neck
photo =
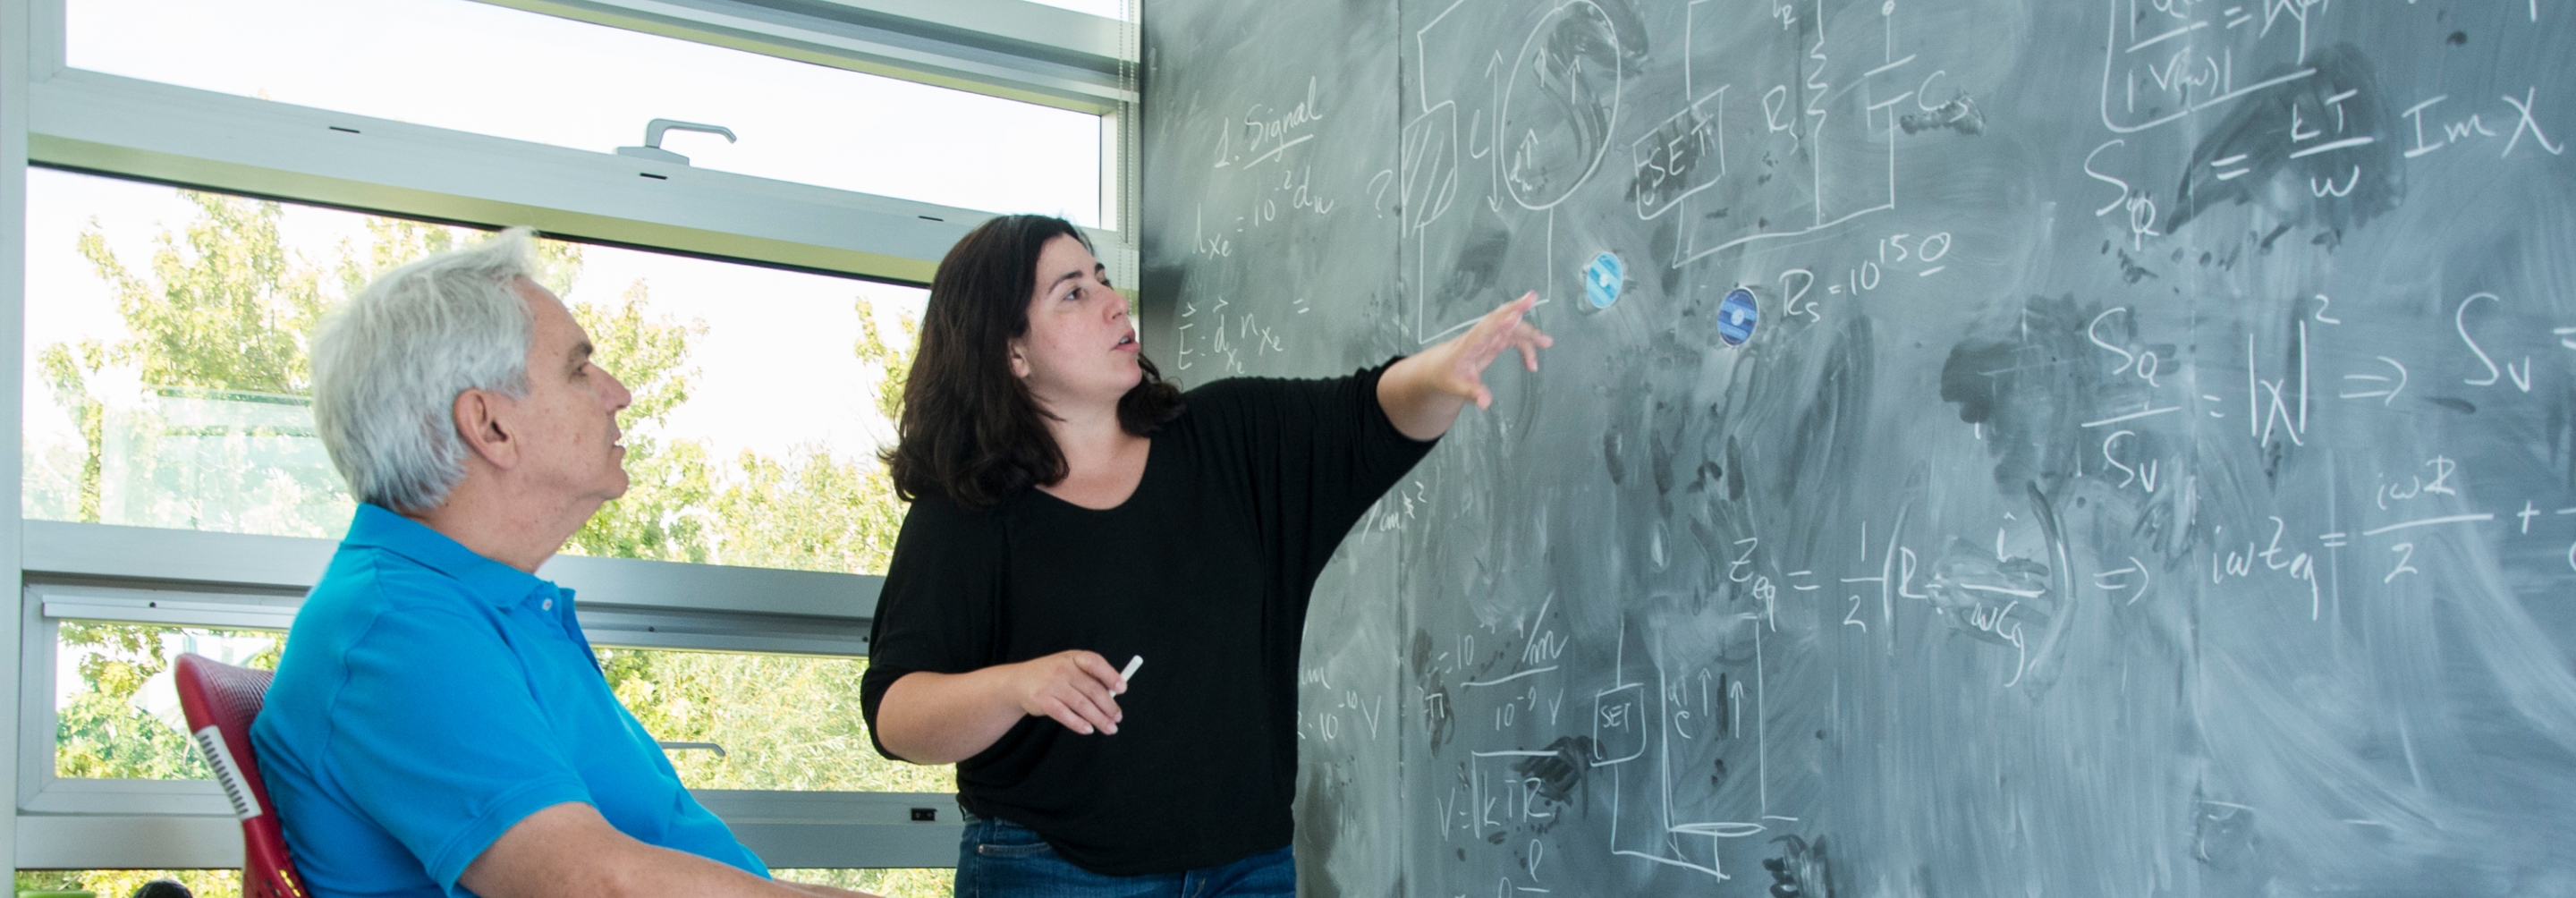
<point>1103,463</point>
<point>1090,438</point>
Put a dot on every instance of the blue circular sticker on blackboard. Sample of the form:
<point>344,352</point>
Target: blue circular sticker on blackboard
<point>1601,280</point>
<point>1736,317</point>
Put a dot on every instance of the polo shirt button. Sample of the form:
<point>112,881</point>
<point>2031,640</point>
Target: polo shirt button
<point>547,605</point>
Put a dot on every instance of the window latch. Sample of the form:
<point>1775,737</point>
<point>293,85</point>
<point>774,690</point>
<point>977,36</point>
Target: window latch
<point>653,131</point>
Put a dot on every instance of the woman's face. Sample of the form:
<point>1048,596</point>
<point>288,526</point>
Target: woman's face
<point>1080,350</point>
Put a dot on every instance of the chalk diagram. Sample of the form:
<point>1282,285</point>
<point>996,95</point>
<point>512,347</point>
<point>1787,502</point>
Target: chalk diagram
<point>1645,735</point>
<point>1554,107</point>
<point>2165,72</point>
<point>1818,105</point>
<point>1559,105</point>
<point>1427,176</point>
<point>1820,118</point>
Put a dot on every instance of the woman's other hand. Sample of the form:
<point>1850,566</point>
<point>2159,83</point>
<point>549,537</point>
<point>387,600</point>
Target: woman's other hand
<point>1078,689</point>
<point>935,718</point>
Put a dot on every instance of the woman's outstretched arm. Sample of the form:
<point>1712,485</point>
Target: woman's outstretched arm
<point>1423,393</point>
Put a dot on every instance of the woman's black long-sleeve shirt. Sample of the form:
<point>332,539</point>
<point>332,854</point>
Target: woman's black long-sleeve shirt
<point>1205,571</point>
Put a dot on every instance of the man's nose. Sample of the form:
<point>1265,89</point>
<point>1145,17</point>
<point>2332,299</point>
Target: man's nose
<point>618,396</point>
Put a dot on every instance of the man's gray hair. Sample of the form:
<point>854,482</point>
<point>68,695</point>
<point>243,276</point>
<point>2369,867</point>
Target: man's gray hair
<point>389,364</point>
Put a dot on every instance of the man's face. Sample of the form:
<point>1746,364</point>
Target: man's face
<point>568,421</point>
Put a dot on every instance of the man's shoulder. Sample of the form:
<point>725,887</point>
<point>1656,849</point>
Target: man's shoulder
<point>365,583</point>
<point>368,600</point>
<point>371,609</point>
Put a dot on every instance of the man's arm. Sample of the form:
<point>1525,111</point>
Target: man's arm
<point>569,851</point>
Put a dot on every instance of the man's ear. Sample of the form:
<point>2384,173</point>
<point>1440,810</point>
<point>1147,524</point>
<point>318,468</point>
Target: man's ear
<point>479,422</point>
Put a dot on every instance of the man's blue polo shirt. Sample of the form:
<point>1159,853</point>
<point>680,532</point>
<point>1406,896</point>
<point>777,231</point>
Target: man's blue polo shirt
<point>429,698</point>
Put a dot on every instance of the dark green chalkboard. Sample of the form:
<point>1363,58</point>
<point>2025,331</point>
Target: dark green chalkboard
<point>2152,471</point>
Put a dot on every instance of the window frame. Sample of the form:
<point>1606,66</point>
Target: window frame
<point>181,824</point>
<point>55,116</point>
<point>1012,49</point>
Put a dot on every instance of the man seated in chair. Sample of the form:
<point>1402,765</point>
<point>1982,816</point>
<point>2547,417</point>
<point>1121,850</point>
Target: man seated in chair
<point>438,725</point>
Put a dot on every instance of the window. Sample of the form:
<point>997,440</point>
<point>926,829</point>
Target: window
<point>504,72</point>
<point>165,381</point>
<point>120,883</point>
<point>934,882</point>
<point>762,721</point>
<point>737,726</point>
<point>730,721</point>
<point>116,712</point>
<point>166,388</point>
<point>187,221</point>
<point>735,720</point>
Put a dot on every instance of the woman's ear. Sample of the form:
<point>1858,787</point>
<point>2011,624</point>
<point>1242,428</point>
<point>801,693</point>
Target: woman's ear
<point>1019,359</point>
<point>479,423</point>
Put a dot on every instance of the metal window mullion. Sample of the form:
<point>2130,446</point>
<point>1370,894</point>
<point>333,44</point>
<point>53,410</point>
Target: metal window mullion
<point>1130,121</point>
<point>46,36</point>
<point>32,765</point>
<point>786,829</point>
<point>137,128</point>
<point>1004,48</point>
<point>1120,183</point>
<point>233,581</point>
<point>234,573</point>
<point>604,624</point>
<point>30,30</point>
<point>153,554</point>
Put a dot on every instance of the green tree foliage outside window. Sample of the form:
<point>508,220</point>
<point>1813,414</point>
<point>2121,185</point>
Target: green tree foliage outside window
<point>785,721</point>
<point>120,883</point>
<point>223,312</point>
<point>100,730</point>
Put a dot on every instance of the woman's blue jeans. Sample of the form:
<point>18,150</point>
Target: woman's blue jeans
<point>1001,859</point>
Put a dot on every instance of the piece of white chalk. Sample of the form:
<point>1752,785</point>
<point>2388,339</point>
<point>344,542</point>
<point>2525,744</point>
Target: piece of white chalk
<point>1132,664</point>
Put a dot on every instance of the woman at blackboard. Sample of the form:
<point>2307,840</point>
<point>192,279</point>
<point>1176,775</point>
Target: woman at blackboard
<point>1072,512</point>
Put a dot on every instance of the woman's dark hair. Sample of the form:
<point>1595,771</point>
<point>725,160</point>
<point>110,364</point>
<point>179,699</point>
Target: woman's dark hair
<point>969,430</point>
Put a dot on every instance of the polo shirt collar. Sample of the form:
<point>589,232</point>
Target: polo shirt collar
<point>377,527</point>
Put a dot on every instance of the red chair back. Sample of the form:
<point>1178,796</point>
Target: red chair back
<point>220,701</point>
